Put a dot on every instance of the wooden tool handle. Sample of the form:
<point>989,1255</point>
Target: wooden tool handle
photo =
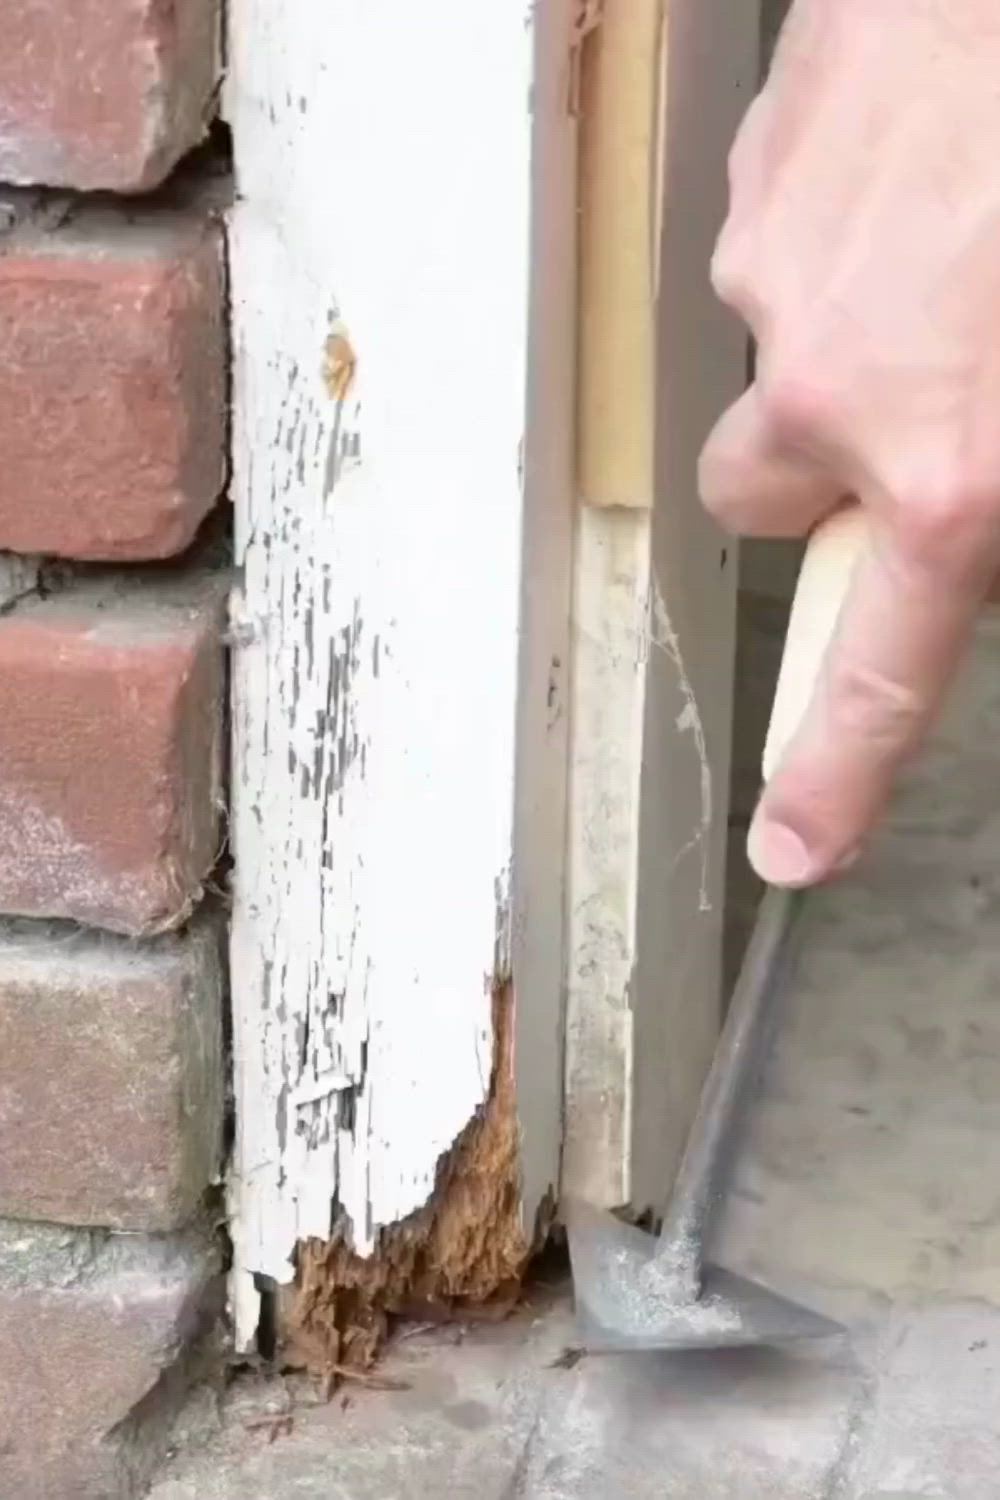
<point>823,582</point>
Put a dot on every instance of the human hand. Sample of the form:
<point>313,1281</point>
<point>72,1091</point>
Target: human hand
<point>863,249</point>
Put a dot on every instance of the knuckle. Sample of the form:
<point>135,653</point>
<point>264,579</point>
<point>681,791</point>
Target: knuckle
<point>887,717</point>
<point>728,271</point>
<point>799,407</point>
<point>950,524</point>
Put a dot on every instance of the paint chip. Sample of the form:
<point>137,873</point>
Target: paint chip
<point>340,363</point>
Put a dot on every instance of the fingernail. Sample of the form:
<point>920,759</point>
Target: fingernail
<point>778,854</point>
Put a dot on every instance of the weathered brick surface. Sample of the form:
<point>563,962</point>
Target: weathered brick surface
<point>88,1324</point>
<point>110,1075</point>
<point>110,748</point>
<point>112,381</point>
<point>103,93</point>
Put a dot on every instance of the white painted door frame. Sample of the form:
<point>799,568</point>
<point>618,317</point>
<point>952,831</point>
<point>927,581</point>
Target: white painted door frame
<point>408,533</point>
<point>401,255</point>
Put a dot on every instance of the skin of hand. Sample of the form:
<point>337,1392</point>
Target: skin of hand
<point>862,247</point>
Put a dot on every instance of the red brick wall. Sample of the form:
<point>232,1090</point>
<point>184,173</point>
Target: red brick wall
<point>112,379</point>
<point>104,93</point>
<point>112,460</point>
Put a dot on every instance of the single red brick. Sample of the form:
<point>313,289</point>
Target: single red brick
<point>89,1326</point>
<point>117,1120</point>
<point>111,703</point>
<point>112,382</point>
<point>104,93</point>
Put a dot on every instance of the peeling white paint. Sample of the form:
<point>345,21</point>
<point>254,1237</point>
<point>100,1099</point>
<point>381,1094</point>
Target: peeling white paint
<point>383,175</point>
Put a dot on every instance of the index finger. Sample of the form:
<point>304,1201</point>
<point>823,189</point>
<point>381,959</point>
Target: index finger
<point>901,633</point>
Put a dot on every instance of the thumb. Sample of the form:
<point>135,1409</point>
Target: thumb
<point>899,637</point>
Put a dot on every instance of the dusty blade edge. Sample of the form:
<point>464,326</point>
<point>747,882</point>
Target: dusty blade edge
<point>617,1313</point>
<point>595,1337</point>
<point>765,1320</point>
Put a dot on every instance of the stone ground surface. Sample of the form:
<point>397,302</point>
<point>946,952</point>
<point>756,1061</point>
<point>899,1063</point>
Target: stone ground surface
<point>489,1418</point>
<point>868,1185</point>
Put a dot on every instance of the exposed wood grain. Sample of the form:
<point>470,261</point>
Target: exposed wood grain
<point>619,144</point>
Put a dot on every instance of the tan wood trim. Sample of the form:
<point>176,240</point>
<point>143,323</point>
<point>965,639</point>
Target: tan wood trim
<point>619,151</point>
